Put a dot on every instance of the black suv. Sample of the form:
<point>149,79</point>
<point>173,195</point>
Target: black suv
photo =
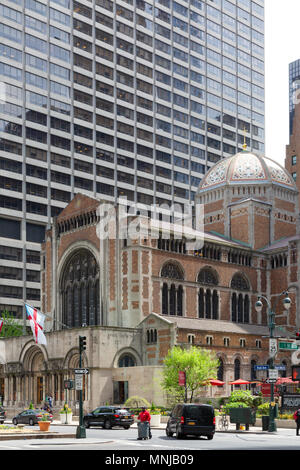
<point>2,415</point>
<point>191,418</point>
<point>108,417</point>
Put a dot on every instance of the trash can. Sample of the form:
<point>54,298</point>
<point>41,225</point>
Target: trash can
<point>265,423</point>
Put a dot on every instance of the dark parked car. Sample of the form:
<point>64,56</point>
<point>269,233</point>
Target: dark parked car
<point>30,417</point>
<point>193,419</point>
<point>108,417</point>
<point>2,415</point>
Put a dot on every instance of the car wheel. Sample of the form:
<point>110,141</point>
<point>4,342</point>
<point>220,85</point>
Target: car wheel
<point>107,424</point>
<point>31,422</point>
<point>15,421</point>
<point>126,427</point>
<point>169,433</point>
<point>179,435</point>
<point>86,424</point>
<point>210,437</point>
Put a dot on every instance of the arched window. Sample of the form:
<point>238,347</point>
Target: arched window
<point>220,373</point>
<point>201,303</point>
<point>239,282</point>
<point>172,271</point>
<point>79,290</point>
<point>179,301</point>
<point>172,300</point>
<point>172,294</point>
<point>253,370</point>
<point>127,360</point>
<point>240,302</point>
<point>215,305</point>
<point>207,276</point>
<point>237,369</point>
<point>165,299</point>
<point>208,300</point>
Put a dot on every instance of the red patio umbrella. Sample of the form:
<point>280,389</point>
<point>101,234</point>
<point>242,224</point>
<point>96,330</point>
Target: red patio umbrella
<point>239,382</point>
<point>284,380</point>
<point>216,382</point>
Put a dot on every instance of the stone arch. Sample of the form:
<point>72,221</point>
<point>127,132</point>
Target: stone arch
<point>28,353</point>
<point>240,281</point>
<point>131,352</point>
<point>172,269</point>
<point>71,360</point>
<point>208,275</point>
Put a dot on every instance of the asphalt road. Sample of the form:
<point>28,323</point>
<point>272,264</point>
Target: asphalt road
<point>111,442</point>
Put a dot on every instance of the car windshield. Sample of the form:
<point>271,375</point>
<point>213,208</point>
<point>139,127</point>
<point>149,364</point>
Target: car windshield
<point>197,412</point>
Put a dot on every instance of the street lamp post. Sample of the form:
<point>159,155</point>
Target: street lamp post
<point>273,350</point>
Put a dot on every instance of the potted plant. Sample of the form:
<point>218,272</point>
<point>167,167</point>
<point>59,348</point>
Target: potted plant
<point>66,414</point>
<point>44,422</point>
<point>155,414</point>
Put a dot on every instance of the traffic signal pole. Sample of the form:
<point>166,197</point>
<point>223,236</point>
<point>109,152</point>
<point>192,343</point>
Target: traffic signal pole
<point>80,432</point>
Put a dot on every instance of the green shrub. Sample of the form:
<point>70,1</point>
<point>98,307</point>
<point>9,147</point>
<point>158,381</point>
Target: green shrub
<point>136,401</point>
<point>236,404</point>
<point>263,409</point>
<point>242,396</point>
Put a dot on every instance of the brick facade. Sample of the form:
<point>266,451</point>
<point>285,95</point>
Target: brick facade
<point>137,298</point>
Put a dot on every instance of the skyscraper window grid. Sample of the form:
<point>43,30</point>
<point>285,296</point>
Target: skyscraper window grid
<point>113,98</point>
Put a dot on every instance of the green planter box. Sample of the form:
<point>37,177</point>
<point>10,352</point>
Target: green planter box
<point>242,416</point>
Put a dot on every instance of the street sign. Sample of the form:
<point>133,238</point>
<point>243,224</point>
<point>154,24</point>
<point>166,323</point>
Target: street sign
<point>273,374</point>
<point>271,381</point>
<point>82,371</point>
<point>286,345</point>
<point>78,381</point>
<point>273,347</point>
<point>262,367</point>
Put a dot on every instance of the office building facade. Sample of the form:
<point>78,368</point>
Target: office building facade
<point>117,98</point>
<point>294,85</point>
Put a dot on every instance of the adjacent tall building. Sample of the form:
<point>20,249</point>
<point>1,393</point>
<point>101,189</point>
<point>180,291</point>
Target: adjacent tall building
<point>117,98</point>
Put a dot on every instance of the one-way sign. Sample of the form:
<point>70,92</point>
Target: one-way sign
<point>271,381</point>
<point>82,371</point>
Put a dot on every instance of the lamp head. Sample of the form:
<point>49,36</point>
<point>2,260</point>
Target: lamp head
<point>287,302</point>
<point>258,306</point>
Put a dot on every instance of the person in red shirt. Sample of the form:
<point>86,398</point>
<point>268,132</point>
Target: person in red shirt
<point>144,424</point>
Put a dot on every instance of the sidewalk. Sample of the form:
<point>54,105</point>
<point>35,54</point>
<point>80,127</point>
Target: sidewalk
<point>231,428</point>
<point>162,427</point>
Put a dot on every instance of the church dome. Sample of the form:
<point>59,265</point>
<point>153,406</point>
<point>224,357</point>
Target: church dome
<point>246,168</point>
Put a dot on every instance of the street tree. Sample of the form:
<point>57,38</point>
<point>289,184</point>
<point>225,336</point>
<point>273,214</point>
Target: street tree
<point>199,365</point>
<point>11,327</point>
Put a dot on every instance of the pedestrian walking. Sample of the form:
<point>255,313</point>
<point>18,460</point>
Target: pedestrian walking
<point>297,420</point>
<point>50,401</point>
<point>144,424</point>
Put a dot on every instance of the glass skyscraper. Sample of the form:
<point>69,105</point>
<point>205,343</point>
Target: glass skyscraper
<point>117,98</point>
<point>294,85</point>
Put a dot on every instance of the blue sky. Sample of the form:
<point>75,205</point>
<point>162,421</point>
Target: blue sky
<point>282,46</point>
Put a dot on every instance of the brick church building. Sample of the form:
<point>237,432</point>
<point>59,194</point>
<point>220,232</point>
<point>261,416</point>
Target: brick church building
<point>135,298</point>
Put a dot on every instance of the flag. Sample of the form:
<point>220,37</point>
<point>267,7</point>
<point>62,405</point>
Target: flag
<point>1,324</point>
<point>36,320</point>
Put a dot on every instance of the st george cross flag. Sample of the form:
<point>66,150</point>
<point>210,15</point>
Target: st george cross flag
<point>36,320</point>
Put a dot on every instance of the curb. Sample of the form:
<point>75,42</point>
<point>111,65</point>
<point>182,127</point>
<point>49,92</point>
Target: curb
<point>13,437</point>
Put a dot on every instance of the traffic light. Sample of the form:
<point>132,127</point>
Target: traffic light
<point>296,373</point>
<point>82,343</point>
<point>297,335</point>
